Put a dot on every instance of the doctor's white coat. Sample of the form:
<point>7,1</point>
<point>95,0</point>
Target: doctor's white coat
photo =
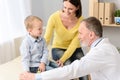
<point>102,62</point>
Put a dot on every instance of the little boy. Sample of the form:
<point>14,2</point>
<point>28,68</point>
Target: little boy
<point>33,49</point>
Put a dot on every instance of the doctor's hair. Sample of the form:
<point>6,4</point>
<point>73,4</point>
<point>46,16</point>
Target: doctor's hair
<point>29,21</point>
<point>76,3</point>
<point>93,24</point>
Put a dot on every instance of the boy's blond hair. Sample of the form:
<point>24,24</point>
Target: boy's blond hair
<point>30,20</point>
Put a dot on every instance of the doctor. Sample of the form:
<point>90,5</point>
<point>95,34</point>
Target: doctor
<point>101,62</point>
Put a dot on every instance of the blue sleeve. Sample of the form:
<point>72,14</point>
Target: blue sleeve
<point>45,53</point>
<point>24,50</point>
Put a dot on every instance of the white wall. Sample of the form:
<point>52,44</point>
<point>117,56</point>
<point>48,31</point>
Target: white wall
<point>113,33</point>
<point>43,9</point>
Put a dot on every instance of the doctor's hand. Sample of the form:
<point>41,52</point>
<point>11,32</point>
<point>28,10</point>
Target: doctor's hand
<point>27,76</point>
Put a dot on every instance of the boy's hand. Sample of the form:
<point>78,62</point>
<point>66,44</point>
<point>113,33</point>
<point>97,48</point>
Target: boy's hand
<point>42,67</point>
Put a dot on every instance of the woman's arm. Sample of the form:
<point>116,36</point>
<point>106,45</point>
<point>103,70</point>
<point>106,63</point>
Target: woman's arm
<point>49,29</point>
<point>70,50</point>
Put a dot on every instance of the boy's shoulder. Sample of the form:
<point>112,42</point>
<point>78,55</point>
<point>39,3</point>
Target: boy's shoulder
<point>26,40</point>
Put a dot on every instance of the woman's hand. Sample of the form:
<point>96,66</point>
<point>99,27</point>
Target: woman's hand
<point>60,63</point>
<point>27,76</point>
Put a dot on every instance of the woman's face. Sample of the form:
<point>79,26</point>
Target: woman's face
<point>69,9</point>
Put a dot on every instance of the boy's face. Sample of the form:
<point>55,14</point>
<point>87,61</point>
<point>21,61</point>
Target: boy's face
<point>36,29</point>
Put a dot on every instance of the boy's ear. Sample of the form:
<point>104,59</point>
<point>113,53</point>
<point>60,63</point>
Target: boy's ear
<point>29,30</point>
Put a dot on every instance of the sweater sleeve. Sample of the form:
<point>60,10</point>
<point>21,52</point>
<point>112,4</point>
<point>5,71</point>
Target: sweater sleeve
<point>70,50</point>
<point>49,29</point>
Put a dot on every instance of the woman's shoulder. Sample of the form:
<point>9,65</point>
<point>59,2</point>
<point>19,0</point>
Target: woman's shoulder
<point>57,13</point>
<point>81,18</point>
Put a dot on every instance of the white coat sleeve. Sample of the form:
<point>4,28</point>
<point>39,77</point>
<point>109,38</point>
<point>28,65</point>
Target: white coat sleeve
<point>89,63</point>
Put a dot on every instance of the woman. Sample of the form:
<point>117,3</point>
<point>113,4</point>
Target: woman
<point>64,24</point>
